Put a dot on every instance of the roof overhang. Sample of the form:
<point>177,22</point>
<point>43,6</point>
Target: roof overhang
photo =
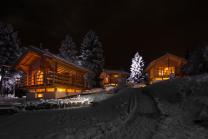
<point>167,55</point>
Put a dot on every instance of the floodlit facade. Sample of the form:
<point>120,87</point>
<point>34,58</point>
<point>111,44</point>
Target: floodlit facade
<point>48,76</point>
<point>165,67</point>
<point>113,77</point>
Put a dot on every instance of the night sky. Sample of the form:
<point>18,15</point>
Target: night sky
<point>152,27</point>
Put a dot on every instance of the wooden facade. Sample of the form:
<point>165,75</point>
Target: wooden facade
<point>165,67</point>
<point>113,77</point>
<point>48,76</point>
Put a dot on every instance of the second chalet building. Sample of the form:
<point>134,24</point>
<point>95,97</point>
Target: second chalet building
<point>113,77</point>
<point>165,66</point>
<point>48,76</point>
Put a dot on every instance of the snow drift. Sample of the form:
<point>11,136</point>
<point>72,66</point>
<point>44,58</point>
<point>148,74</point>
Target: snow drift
<point>104,120</point>
<point>170,109</point>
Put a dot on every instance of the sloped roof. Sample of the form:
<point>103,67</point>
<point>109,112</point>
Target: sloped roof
<point>164,56</point>
<point>50,55</point>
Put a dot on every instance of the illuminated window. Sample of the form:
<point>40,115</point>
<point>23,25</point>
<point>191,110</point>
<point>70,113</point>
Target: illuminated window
<point>50,89</point>
<point>39,78</point>
<point>70,90</point>
<point>33,79</point>
<point>166,71</point>
<point>160,71</point>
<point>114,84</point>
<point>78,91</point>
<point>40,90</point>
<point>116,76</point>
<point>159,79</point>
<point>61,89</point>
<point>39,95</point>
<point>169,70</point>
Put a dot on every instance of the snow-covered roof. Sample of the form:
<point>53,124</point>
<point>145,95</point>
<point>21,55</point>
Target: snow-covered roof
<point>51,55</point>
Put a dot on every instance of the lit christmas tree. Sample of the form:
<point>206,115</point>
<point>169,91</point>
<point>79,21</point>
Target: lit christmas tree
<point>137,66</point>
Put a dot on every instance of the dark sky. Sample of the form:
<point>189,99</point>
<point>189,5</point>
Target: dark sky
<point>152,27</point>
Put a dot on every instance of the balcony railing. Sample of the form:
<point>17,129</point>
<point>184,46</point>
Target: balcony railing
<point>51,79</point>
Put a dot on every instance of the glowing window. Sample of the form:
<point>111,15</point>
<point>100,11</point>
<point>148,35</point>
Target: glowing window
<point>40,90</point>
<point>50,89</point>
<point>70,90</point>
<point>113,84</point>
<point>61,89</point>
<point>39,95</point>
<point>116,76</point>
<point>78,91</point>
<point>39,78</point>
<point>33,79</point>
<point>166,71</point>
<point>160,79</point>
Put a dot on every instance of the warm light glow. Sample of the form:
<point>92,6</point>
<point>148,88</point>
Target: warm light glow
<point>78,91</point>
<point>159,79</point>
<point>40,90</point>
<point>61,89</point>
<point>115,75</point>
<point>112,84</point>
<point>106,80</point>
<point>39,78</point>
<point>50,89</point>
<point>40,95</point>
<point>166,71</point>
<point>70,90</point>
<point>32,79</point>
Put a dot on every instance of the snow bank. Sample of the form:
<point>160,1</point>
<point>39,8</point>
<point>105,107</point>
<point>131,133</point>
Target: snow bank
<point>104,120</point>
<point>183,103</point>
<point>170,109</point>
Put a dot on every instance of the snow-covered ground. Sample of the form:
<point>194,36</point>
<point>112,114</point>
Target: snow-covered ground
<point>90,97</point>
<point>72,102</point>
<point>175,109</point>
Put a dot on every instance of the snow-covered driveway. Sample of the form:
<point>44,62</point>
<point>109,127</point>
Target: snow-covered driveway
<point>114,117</point>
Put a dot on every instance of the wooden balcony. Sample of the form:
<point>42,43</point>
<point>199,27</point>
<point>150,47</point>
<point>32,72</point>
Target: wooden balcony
<point>54,79</point>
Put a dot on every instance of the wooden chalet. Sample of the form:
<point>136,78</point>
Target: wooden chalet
<point>49,76</point>
<point>164,67</point>
<point>113,77</point>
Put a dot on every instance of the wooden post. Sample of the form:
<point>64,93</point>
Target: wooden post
<point>43,62</point>
<point>54,72</point>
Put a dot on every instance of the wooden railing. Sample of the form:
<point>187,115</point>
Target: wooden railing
<point>52,78</point>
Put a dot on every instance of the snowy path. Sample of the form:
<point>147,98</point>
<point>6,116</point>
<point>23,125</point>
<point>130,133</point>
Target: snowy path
<point>104,120</point>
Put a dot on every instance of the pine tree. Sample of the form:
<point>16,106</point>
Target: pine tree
<point>92,57</point>
<point>68,49</point>
<point>137,66</point>
<point>9,45</point>
<point>9,51</point>
<point>197,61</point>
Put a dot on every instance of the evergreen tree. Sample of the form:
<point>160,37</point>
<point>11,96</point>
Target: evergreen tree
<point>197,61</point>
<point>9,45</point>
<point>68,49</point>
<point>9,51</point>
<point>137,66</point>
<point>92,57</point>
